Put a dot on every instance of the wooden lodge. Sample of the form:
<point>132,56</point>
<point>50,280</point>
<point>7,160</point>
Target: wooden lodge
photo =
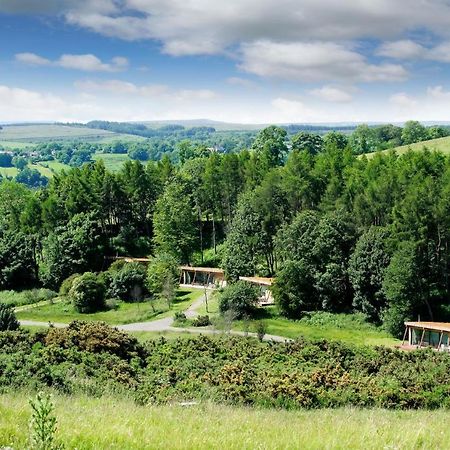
<point>427,334</point>
<point>210,277</point>
<point>264,284</point>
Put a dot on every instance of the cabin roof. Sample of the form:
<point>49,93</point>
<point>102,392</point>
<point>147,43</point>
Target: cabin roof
<point>433,326</point>
<point>261,281</point>
<point>202,269</point>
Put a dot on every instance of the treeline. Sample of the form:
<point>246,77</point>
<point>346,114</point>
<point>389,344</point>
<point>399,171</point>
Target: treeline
<point>341,233</point>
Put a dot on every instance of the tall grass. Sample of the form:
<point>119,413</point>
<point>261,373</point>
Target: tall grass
<point>106,423</point>
<point>15,298</point>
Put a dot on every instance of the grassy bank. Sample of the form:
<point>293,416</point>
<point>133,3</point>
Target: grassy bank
<point>106,423</point>
<point>123,313</point>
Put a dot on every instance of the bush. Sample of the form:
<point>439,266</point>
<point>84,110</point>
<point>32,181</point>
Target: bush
<point>66,285</point>
<point>8,320</point>
<point>95,337</point>
<point>128,283</point>
<point>201,321</point>
<point>240,297</point>
<point>179,317</point>
<point>87,293</point>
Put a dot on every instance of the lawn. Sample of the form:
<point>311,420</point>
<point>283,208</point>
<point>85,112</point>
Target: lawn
<point>123,314</point>
<point>8,171</point>
<point>113,161</point>
<point>112,423</point>
<point>11,145</point>
<point>349,328</point>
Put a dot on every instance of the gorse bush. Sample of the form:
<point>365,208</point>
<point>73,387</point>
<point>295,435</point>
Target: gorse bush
<point>96,359</point>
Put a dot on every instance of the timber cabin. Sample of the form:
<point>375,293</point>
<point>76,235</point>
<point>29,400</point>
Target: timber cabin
<point>427,334</point>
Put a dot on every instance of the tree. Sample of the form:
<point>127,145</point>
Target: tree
<point>367,266</point>
<point>309,142</point>
<point>8,320</point>
<point>5,159</point>
<point>18,267</point>
<point>128,283</point>
<point>402,288</point>
<point>270,144</point>
<point>162,271</point>
<point>32,178</point>
<point>413,131</point>
<point>363,139</point>
<point>138,153</point>
<point>19,162</point>
<point>87,293</point>
<point>74,248</point>
<point>174,222</point>
<point>241,298</point>
<point>336,139</point>
<point>294,289</point>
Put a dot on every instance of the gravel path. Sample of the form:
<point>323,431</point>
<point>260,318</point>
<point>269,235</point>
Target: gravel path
<point>166,325</point>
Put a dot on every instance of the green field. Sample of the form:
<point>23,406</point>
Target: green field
<point>8,171</point>
<point>111,423</point>
<point>113,161</point>
<point>35,133</point>
<point>63,312</point>
<point>11,145</point>
<point>441,144</point>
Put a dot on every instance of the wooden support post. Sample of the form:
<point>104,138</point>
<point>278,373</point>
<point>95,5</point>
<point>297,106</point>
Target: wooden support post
<point>421,339</point>
<point>195,274</point>
<point>440,339</point>
<point>404,336</point>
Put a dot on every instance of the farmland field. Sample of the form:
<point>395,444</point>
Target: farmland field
<point>113,161</point>
<point>24,134</point>
<point>113,423</point>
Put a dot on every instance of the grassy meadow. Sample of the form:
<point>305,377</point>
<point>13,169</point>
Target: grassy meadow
<point>440,144</point>
<point>111,423</point>
<point>62,312</point>
<point>112,161</point>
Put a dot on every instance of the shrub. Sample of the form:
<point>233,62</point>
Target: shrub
<point>261,330</point>
<point>95,337</point>
<point>8,320</point>
<point>201,321</point>
<point>66,285</point>
<point>87,293</point>
<point>240,297</point>
<point>179,317</point>
<point>128,283</point>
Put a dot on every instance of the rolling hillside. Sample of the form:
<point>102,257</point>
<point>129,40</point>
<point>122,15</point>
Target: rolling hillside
<point>16,136</point>
<point>441,144</point>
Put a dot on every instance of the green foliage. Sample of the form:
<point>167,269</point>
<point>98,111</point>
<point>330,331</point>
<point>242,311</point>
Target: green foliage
<point>87,293</point>
<point>27,297</point>
<point>367,266</point>
<point>8,320</point>
<point>311,143</point>
<point>67,284</point>
<point>240,298</point>
<point>43,424</point>
<point>128,283</point>
<point>18,268</point>
<point>162,270</point>
<point>201,321</point>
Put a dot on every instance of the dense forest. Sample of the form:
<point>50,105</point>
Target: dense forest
<point>340,232</point>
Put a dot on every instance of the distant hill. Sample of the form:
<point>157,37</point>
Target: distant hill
<point>21,134</point>
<point>440,144</point>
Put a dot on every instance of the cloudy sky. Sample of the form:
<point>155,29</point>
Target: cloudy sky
<point>254,61</point>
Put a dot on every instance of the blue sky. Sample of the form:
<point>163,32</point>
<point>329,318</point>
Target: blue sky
<point>254,61</point>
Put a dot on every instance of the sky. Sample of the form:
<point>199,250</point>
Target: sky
<point>240,61</point>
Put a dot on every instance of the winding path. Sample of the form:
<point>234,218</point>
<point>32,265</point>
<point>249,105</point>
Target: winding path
<point>166,324</point>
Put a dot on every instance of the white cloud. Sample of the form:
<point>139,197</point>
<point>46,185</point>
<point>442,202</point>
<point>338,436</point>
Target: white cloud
<point>403,49</point>
<point>438,93</point>
<point>238,81</point>
<point>88,62</point>
<point>33,59</point>
<point>202,26</point>
<point>332,94</point>
<point>119,87</point>
<point>403,101</point>
<point>314,62</point>
<point>289,110</point>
